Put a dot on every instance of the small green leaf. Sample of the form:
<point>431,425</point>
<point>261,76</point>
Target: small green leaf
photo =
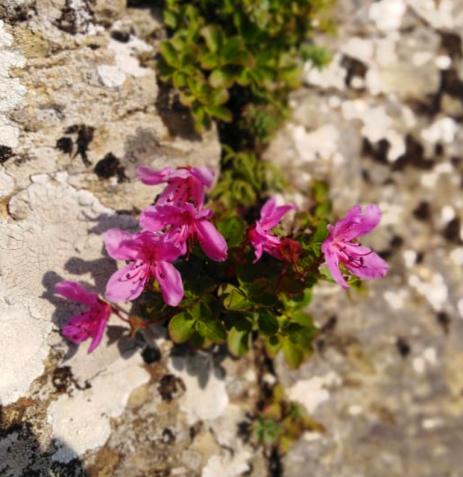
<point>213,37</point>
<point>169,53</point>
<point>181,327</point>
<point>211,329</point>
<point>235,299</point>
<point>267,323</point>
<point>292,353</point>
<point>238,342</point>
<point>221,79</point>
<point>220,112</point>
<point>233,230</point>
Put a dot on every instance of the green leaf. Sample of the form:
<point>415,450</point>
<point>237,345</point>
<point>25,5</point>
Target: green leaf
<point>238,342</point>
<point>170,19</point>
<point>221,79</point>
<point>235,299</point>
<point>220,112</point>
<point>267,323</point>
<point>211,329</point>
<point>233,230</point>
<point>292,353</point>
<point>181,327</point>
<point>300,335</point>
<point>169,53</point>
<point>213,37</point>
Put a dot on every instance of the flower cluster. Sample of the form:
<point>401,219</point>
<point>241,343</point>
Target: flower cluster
<point>169,231</point>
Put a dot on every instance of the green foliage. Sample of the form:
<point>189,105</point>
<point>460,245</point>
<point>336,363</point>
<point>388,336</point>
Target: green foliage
<point>239,59</point>
<point>282,422</point>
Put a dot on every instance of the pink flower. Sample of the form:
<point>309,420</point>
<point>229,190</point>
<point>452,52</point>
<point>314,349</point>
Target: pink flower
<point>183,184</point>
<point>259,235</point>
<point>149,256</point>
<point>184,222</point>
<point>339,246</point>
<point>90,324</point>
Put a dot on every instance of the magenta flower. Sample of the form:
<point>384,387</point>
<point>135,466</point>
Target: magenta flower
<point>184,222</point>
<point>340,248</point>
<point>91,323</point>
<point>149,257</point>
<point>183,184</point>
<point>259,235</point>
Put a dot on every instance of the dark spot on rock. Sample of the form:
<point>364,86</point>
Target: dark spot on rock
<point>171,387</point>
<point>151,354</point>
<point>451,232</point>
<point>275,466</point>
<point>195,430</point>
<point>396,242</point>
<point>444,321</point>
<point>456,161</point>
<point>438,149</point>
<point>168,437</point>
<point>84,138</point>
<point>5,153</point>
<point>355,69</point>
<point>110,166</point>
<point>451,43</point>
<point>72,129</point>
<point>377,151</point>
<point>70,21</point>
<point>62,378</point>
<point>94,46</point>
<point>245,430</point>
<point>121,36</point>
<point>403,347</point>
<point>451,83</point>
<point>413,156</point>
<point>419,257</point>
<point>422,211</point>
<point>161,473</point>
<point>65,145</point>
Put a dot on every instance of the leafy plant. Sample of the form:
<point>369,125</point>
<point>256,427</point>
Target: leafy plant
<point>234,60</point>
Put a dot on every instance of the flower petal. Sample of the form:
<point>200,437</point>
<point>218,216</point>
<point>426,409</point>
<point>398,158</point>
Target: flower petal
<point>204,175</point>
<point>332,262</point>
<point>76,292</point>
<point>366,264</point>
<point>357,222</point>
<point>170,281</point>
<point>271,214</point>
<point>120,244</point>
<point>151,219</point>
<point>127,283</point>
<point>211,240</point>
<point>150,176</point>
<point>77,328</point>
<point>98,331</point>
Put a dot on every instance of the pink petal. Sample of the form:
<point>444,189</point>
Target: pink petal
<point>97,334</point>
<point>170,281</point>
<point>76,329</point>
<point>151,177</point>
<point>120,244</point>
<point>127,283</point>
<point>172,245</point>
<point>76,292</point>
<point>151,219</point>
<point>211,241</point>
<point>367,264</point>
<point>332,262</point>
<point>271,214</point>
<point>357,222</point>
<point>204,175</point>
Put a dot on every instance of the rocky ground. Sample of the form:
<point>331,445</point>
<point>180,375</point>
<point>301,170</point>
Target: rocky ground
<point>80,108</point>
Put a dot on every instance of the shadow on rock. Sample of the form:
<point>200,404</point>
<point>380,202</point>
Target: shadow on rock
<point>21,454</point>
<point>200,364</point>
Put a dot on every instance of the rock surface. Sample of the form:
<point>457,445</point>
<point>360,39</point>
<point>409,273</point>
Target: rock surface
<point>80,109</point>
